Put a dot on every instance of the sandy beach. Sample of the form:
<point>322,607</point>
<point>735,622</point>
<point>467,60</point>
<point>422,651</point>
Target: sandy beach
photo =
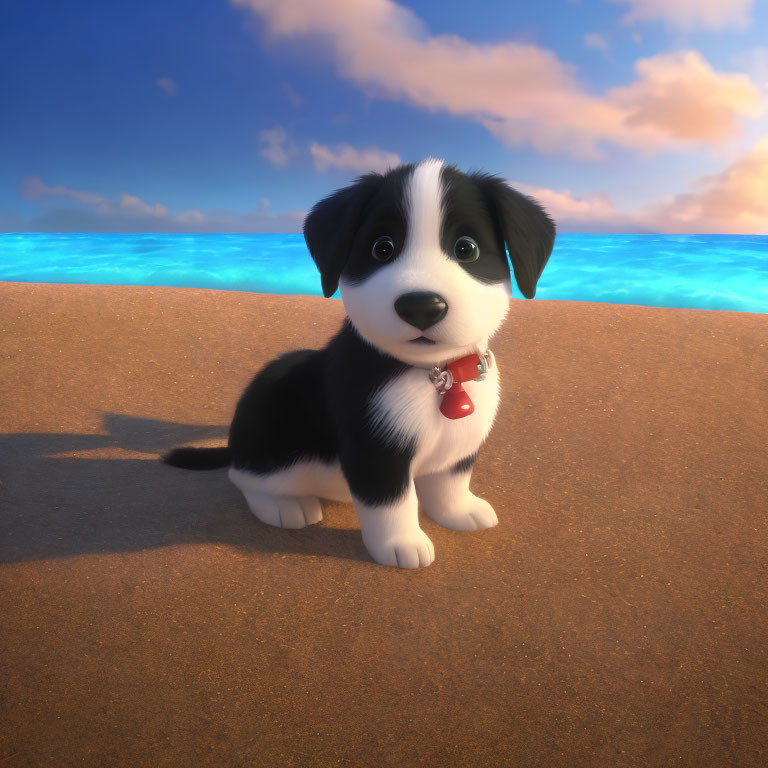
<point>617,616</point>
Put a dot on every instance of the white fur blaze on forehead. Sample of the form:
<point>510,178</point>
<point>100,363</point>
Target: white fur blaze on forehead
<point>425,204</point>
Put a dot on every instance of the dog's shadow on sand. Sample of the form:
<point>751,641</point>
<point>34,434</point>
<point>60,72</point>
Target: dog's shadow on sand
<point>63,495</point>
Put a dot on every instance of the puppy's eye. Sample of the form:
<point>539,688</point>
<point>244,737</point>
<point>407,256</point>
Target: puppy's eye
<point>466,249</point>
<point>383,248</point>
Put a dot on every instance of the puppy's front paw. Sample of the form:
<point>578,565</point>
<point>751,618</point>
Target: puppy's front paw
<point>413,549</point>
<point>472,514</point>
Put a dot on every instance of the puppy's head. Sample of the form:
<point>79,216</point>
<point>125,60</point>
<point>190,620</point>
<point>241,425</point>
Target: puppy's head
<point>418,254</point>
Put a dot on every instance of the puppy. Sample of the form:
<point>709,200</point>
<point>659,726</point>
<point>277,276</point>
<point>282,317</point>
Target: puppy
<point>390,415</point>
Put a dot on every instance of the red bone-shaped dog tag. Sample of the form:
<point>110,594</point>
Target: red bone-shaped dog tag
<point>456,403</point>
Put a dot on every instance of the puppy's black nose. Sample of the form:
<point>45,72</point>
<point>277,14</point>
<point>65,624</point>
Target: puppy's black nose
<point>421,309</point>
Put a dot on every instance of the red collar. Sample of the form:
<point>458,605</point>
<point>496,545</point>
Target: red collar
<point>455,403</point>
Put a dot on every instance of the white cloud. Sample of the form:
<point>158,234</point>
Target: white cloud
<point>347,158</point>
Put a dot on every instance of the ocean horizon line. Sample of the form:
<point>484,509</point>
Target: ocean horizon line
<point>699,271</point>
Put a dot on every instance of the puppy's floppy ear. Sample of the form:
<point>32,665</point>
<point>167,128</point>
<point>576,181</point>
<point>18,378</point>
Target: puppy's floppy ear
<point>330,227</point>
<point>525,226</point>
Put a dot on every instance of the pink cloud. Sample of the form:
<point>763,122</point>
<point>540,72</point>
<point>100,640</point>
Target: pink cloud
<point>276,146</point>
<point>563,204</point>
<point>34,188</point>
<point>596,41</point>
<point>346,157</point>
<point>522,94</point>
<point>734,201</point>
<point>714,14</point>
<point>167,84</point>
<point>681,94</point>
<point>133,204</point>
<point>292,96</point>
<point>132,214</point>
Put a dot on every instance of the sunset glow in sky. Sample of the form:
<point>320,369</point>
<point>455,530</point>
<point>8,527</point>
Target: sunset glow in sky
<point>238,115</point>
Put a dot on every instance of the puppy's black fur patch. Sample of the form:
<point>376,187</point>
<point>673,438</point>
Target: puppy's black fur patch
<point>460,467</point>
<point>341,228</point>
<point>311,405</point>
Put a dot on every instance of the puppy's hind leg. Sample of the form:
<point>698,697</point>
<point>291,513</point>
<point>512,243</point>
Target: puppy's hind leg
<point>284,511</point>
<point>280,510</point>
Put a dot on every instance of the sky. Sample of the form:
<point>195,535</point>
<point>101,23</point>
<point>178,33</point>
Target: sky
<point>239,115</point>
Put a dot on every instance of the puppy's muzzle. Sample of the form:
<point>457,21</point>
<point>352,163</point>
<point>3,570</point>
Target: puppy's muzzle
<point>421,309</point>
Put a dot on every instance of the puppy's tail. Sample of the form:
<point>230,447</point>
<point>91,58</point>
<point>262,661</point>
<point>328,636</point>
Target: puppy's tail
<point>198,458</point>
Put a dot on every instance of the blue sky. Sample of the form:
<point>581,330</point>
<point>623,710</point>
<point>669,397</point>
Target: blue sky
<point>211,115</point>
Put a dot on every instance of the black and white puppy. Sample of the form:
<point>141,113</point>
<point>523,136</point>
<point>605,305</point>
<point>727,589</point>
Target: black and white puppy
<point>418,254</point>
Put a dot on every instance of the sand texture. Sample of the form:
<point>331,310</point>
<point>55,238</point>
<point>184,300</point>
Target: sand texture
<point>617,616</point>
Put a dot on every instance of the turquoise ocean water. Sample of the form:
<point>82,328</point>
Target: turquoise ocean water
<point>699,271</point>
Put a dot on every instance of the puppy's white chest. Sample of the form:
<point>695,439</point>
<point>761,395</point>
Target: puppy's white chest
<point>408,409</point>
